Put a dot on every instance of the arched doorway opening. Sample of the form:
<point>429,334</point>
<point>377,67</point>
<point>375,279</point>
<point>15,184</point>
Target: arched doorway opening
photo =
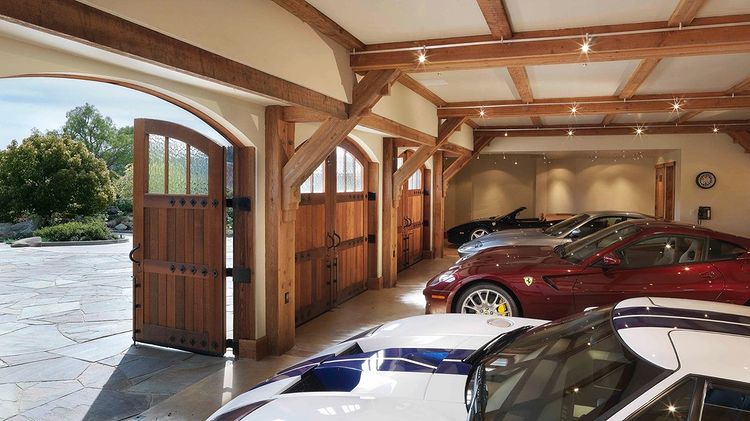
<point>332,253</point>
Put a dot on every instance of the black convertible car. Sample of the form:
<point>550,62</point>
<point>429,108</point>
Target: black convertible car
<point>479,227</point>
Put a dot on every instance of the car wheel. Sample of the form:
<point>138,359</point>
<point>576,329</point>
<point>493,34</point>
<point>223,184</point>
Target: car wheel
<point>479,232</point>
<point>488,299</point>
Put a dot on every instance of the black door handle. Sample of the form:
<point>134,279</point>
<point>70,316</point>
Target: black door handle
<point>132,252</point>
<point>338,237</point>
<point>333,242</point>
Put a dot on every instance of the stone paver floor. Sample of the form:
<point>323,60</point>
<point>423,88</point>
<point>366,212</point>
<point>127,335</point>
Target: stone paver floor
<point>66,351</point>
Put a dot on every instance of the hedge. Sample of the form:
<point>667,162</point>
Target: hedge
<point>75,231</point>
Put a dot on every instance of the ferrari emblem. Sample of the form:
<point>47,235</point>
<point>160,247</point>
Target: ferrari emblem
<point>528,280</point>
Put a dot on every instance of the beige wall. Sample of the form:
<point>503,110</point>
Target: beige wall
<point>491,186</point>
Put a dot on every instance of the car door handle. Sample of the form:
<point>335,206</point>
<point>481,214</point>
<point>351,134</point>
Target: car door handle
<point>709,275</point>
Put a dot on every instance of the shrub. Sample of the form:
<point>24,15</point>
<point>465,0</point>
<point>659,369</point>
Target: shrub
<point>54,177</point>
<point>124,204</point>
<point>75,231</point>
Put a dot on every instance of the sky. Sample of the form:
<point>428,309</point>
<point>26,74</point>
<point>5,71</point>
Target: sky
<point>41,103</point>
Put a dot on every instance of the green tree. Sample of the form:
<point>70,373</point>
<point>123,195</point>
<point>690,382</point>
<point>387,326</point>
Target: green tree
<point>52,176</point>
<point>100,135</point>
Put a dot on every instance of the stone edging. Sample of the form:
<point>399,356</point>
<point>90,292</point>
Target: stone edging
<point>83,243</point>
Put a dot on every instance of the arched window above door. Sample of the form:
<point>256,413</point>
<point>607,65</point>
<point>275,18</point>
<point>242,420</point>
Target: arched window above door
<point>316,182</point>
<point>349,172</point>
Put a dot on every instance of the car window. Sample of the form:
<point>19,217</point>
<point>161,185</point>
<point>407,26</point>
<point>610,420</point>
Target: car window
<point>674,405</point>
<point>726,403</point>
<point>563,227</point>
<point>598,224</point>
<point>722,250</point>
<point>663,250</point>
<point>584,248</point>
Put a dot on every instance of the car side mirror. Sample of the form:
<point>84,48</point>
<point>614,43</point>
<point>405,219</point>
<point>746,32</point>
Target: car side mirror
<point>609,261</point>
<point>744,257</point>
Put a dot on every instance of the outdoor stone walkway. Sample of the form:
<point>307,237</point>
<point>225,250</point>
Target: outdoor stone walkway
<point>66,351</point>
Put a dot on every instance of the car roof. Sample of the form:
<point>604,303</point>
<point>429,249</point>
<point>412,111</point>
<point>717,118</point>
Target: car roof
<point>656,225</point>
<point>615,212</point>
<point>698,337</point>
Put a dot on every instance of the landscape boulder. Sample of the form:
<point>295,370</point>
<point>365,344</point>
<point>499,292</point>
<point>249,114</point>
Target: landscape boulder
<point>28,242</point>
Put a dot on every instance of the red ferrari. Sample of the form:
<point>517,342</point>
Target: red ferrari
<point>631,259</point>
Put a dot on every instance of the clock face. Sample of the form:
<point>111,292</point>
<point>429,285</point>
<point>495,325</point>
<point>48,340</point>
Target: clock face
<point>705,180</point>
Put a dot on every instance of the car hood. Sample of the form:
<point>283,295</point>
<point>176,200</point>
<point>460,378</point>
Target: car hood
<point>512,237</point>
<point>409,363</point>
<point>502,260</point>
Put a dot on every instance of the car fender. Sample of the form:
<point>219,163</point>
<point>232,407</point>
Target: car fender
<point>466,283</point>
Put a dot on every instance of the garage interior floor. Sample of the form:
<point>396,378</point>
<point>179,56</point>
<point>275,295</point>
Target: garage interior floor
<point>66,350</point>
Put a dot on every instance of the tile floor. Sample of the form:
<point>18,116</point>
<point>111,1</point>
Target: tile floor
<point>66,350</point>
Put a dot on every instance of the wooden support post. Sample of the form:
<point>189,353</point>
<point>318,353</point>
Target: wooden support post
<point>438,205</point>
<point>390,215</point>
<point>279,236</point>
<point>243,258</point>
<point>374,281</point>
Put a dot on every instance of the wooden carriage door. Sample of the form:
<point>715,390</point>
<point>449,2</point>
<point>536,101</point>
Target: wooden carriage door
<point>313,243</point>
<point>665,188</point>
<point>179,238</point>
<point>411,219</point>
<point>350,226</point>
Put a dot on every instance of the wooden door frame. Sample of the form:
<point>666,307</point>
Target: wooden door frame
<point>669,169</point>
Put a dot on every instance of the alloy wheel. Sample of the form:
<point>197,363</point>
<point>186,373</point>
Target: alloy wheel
<point>487,302</point>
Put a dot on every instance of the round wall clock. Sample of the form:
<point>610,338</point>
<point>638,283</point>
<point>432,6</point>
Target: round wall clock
<point>705,180</point>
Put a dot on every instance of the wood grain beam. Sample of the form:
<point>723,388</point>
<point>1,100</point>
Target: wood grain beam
<point>480,142</point>
<point>322,23</point>
<point>496,17</point>
<point>421,90</point>
<point>742,138</point>
<point>390,216</point>
<point>521,81</point>
<point>446,129</point>
<point>685,12</point>
<point>536,121</point>
<point>310,154</point>
<point>743,86</point>
<point>603,105</point>
<point>438,206</point>
<point>638,77</point>
<point>85,24</point>
<point>608,119</point>
<point>453,149</point>
<point>688,41</point>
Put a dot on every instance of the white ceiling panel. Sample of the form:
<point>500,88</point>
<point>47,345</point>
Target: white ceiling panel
<point>531,15</point>
<point>562,120</point>
<point>641,118</point>
<point>722,115</point>
<point>724,8</point>
<point>697,74</point>
<point>503,121</point>
<point>376,21</point>
<point>469,85</point>
<point>574,80</point>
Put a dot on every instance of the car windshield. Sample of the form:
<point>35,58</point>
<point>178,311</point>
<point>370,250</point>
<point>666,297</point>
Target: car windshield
<point>571,369</point>
<point>577,251</point>
<point>563,227</point>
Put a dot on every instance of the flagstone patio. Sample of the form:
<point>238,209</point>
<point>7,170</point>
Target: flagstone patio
<point>66,349</point>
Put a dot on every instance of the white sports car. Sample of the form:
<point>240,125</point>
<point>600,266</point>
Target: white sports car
<point>642,359</point>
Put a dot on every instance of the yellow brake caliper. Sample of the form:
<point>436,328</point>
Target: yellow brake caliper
<point>502,309</point>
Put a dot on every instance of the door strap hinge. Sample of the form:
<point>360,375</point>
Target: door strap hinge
<point>239,203</point>
<point>426,192</point>
<point>371,196</point>
<point>426,223</point>
<point>372,238</point>
<point>239,275</point>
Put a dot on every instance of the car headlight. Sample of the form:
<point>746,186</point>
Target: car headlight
<point>238,413</point>
<point>447,277</point>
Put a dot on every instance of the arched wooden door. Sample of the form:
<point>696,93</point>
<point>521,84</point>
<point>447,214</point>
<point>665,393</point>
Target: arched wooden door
<point>331,233</point>
<point>179,239</point>
<point>411,216</point>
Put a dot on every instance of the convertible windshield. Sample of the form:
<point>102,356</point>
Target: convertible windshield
<point>563,227</point>
<point>571,369</point>
<point>584,248</point>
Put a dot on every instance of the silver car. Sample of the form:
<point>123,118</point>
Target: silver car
<point>573,228</point>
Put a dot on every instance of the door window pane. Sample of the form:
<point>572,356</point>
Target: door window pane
<point>340,168</point>
<point>155,163</point>
<point>726,403</point>
<point>349,172</point>
<point>662,251</point>
<point>358,177</point>
<point>721,250</point>
<point>315,183</point>
<point>672,406</point>
<point>177,167</point>
<point>198,172</point>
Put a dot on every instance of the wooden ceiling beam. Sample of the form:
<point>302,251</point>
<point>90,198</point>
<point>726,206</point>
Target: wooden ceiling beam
<point>521,81</point>
<point>683,117</point>
<point>496,17</point>
<point>644,69</point>
<point>446,129</point>
<point>421,90</point>
<point>743,86</point>
<point>742,138</point>
<point>605,105</point>
<point>454,149</point>
<point>608,119</point>
<point>615,129</point>
<point>325,139</point>
<point>685,12</point>
<point>88,25</point>
<point>692,40</point>
<point>322,23</point>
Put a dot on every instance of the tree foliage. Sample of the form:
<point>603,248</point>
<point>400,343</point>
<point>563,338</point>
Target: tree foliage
<point>52,176</point>
<point>100,135</point>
